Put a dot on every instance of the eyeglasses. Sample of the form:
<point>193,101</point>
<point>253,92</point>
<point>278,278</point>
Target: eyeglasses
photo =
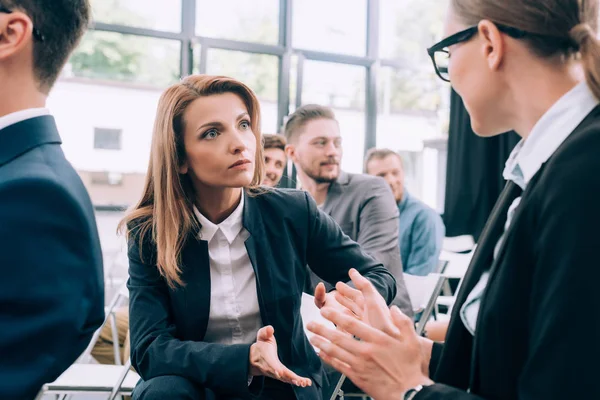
<point>36,33</point>
<point>441,57</point>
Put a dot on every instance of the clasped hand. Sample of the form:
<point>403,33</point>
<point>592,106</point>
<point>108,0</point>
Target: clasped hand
<point>388,359</point>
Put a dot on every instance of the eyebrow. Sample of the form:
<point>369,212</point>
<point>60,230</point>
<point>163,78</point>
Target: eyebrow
<point>219,124</point>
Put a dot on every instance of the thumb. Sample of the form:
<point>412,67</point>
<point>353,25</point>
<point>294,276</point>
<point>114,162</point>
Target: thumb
<point>360,281</point>
<point>320,294</point>
<point>265,333</point>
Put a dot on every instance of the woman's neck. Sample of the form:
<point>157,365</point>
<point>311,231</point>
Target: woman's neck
<point>216,204</point>
<point>537,91</point>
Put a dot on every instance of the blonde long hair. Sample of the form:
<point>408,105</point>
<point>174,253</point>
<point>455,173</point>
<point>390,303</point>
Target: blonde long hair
<point>164,214</point>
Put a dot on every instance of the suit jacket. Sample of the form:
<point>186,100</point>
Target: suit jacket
<point>287,232</point>
<point>365,209</point>
<point>530,342</point>
<point>52,290</point>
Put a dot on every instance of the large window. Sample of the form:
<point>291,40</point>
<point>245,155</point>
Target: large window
<point>290,53</point>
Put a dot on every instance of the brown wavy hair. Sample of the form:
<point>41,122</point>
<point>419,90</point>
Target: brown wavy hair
<point>164,215</point>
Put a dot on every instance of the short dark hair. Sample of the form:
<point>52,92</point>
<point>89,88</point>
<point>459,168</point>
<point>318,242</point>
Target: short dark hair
<point>380,154</point>
<point>61,23</point>
<point>272,141</point>
<point>302,116</point>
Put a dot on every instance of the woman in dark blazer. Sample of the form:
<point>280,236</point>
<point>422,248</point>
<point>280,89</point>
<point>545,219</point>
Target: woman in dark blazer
<point>524,325</point>
<point>217,263</point>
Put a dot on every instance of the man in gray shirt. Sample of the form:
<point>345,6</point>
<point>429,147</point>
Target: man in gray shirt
<point>363,206</point>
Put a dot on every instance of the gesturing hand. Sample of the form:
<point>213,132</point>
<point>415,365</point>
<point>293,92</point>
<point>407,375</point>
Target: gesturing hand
<point>264,360</point>
<point>365,302</point>
<point>383,363</point>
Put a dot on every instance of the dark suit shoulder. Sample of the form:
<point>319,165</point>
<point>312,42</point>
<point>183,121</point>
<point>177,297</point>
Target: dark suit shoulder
<point>575,164</point>
<point>48,164</point>
<point>282,201</point>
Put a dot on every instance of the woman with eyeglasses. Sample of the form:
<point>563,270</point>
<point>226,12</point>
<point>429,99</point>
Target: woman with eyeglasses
<point>532,66</point>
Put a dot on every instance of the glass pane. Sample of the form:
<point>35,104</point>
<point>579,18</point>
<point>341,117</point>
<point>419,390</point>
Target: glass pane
<point>127,58</point>
<point>408,27</point>
<point>259,71</point>
<point>319,25</point>
<point>162,15</point>
<point>248,21</point>
<point>341,87</point>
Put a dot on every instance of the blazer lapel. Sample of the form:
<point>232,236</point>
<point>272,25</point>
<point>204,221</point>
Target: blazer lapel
<point>196,276</point>
<point>23,136</point>
<point>484,254</point>
<point>455,364</point>
<point>258,255</point>
<point>334,194</point>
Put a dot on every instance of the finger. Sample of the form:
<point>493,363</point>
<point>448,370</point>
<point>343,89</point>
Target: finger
<point>293,378</point>
<point>353,326</point>
<point>338,365</point>
<point>349,304</point>
<point>337,350</point>
<point>361,283</point>
<point>320,294</point>
<point>343,340</point>
<point>265,333</point>
<point>353,294</point>
<point>404,324</point>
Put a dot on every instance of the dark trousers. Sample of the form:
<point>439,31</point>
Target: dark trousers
<point>180,388</point>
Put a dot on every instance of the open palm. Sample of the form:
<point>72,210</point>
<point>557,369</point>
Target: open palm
<point>264,360</point>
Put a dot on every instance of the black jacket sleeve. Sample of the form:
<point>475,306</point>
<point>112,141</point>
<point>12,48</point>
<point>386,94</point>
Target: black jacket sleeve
<point>155,350</point>
<point>51,292</point>
<point>331,254</point>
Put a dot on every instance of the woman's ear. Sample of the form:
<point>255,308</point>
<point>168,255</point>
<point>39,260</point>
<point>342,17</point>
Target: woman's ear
<point>493,43</point>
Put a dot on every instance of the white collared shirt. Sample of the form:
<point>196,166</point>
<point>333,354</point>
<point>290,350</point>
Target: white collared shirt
<point>526,159</point>
<point>19,116</point>
<point>234,310</point>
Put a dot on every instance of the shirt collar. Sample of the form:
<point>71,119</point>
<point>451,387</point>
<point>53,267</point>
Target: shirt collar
<point>548,134</point>
<point>19,116</point>
<point>230,228</point>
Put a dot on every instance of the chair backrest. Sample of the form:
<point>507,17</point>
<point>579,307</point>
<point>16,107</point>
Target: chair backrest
<point>118,300</point>
<point>458,244</point>
<point>310,312</point>
<point>423,292</point>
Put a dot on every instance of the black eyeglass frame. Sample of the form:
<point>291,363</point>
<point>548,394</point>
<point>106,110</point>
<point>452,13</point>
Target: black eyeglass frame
<point>463,36</point>
<point>36,33</point>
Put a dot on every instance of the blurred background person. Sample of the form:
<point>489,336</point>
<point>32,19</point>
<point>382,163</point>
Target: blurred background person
<point>275,159</point>
<point>51,291</point>
<point>422,230</point>
<point>362,205</point>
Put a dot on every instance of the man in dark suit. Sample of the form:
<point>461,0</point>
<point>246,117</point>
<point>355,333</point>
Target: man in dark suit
<point>362,205</point>
<point>51,291</point>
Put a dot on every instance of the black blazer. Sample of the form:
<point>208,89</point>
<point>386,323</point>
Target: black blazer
<point>287,232</point>
<point>537,330</point>
<point>52,287</point>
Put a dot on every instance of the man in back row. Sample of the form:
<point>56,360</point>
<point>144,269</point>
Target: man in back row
<point>275,159</point>
<point>52,290</point>
<point>362,205</point>
<point>422,230</point>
